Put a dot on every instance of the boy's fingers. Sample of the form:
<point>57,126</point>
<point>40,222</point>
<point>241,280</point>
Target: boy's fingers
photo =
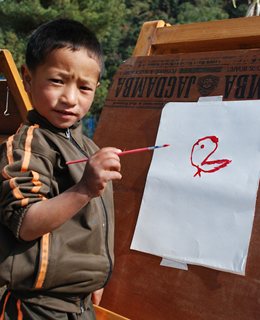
<point>102,167</point>
<point>107,161</point>
<point>111,149</point>
<point>113,175</point>
<point>112,164</point>
<point>108,176</point>
<point>107,152</point>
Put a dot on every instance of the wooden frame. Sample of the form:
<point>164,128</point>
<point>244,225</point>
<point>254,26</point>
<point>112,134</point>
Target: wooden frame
<point>14,81</point>
<point>18,100</point>
<point>158,37</point>
<point>104,314</point>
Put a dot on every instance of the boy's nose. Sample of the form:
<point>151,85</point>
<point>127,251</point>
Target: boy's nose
<point>70,96</point>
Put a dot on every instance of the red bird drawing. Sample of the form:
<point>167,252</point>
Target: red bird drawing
<point>201,152</point>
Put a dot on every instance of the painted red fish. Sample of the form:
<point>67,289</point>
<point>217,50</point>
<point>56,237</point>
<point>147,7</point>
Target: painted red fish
<point>201,152</point>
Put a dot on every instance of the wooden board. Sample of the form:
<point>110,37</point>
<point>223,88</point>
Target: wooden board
<point>160,38</point>
<point>140,288</point>
<point>13,98</point>
<point>11,119</point>
<point>104,314</point>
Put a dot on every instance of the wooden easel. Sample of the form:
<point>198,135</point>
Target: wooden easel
<point>14,102</point>
<point>176,63</point>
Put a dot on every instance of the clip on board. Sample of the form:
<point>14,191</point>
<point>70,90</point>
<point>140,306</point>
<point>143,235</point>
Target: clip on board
<point>176,63</point>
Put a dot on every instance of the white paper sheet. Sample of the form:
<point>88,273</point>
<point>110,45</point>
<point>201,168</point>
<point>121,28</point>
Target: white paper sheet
<point>200,213</point>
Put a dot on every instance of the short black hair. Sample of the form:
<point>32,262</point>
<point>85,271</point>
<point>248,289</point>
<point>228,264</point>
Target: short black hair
<point>58,34</point>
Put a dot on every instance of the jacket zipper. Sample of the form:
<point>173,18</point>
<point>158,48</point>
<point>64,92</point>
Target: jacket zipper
<point>82,308</point>
<point>74,142</point>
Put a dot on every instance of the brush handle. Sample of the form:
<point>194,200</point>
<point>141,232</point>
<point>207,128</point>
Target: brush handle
<point>124,153</point>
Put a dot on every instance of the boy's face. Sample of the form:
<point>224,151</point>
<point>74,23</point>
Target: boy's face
<point>63,88</point>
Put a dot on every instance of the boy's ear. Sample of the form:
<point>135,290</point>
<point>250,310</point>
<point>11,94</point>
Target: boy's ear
<point>26,75</point>
<point>98,84</point>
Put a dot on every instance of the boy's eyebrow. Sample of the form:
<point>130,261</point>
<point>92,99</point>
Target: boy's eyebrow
<point>67,74</point>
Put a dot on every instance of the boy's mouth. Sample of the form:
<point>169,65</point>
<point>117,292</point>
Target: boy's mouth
<point>67,113</point>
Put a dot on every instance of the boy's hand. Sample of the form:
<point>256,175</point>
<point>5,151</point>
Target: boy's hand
<point>101,167</point>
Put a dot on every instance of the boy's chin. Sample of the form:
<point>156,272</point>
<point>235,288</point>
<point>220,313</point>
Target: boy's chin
<point>62,125</point>
<point>63,122</point>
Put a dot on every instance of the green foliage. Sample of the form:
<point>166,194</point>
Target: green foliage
<point>100,96</point>
<point>201,10</point>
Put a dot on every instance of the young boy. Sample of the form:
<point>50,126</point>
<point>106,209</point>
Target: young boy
<point>58,218</point>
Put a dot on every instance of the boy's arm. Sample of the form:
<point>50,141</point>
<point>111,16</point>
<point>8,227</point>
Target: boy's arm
<point>44,216</point>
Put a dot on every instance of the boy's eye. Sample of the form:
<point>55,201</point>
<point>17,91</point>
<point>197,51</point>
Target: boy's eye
<point>86,88</point>
<point>59,81</point>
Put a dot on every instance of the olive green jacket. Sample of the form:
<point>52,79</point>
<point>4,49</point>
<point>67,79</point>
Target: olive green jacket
<point>75,259</point>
